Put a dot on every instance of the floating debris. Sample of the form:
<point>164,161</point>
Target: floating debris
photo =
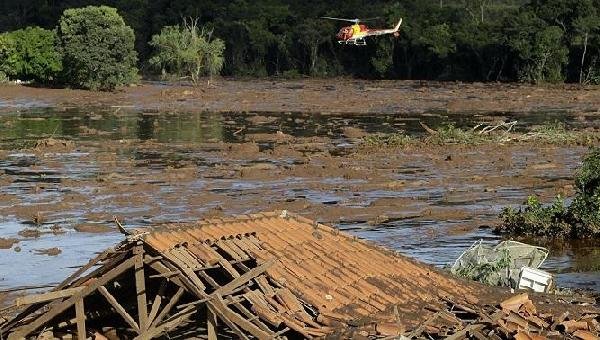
<point>503,264</point>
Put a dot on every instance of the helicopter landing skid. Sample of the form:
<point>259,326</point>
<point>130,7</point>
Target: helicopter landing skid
<point>356,42</point>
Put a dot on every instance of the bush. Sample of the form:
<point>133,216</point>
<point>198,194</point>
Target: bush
<point>32,54</point>
<point>581,219</point>
<point>8,55</point>
<point>98,48</point>
<point>187,51</point>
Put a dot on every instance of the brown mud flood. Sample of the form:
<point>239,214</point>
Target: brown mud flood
<point>65,174</point>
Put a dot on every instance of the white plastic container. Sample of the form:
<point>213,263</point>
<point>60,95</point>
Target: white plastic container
<point>535,279</point>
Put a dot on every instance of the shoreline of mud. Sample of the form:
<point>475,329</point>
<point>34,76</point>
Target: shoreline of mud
<point>320,96</point>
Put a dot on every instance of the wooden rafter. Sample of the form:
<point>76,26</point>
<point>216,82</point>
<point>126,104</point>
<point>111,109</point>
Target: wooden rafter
<point>80,317</point>
<point>140,287</point>
<point>118,308</point>
<point>22,332</point>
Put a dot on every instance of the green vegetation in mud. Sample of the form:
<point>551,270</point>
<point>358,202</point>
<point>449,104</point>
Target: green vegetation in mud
<point>549,133</point>
<point>486,272</point>
<point>90,48</point>
<point>29,54</point>
<point>387,140</point>
<point>187,50</point>
<point>97,47</point>
<point>579,219</point>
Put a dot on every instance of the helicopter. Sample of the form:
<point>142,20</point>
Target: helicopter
<point>356,34</point>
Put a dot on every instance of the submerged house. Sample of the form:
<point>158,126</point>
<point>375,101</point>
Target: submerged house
<point>265,276</point>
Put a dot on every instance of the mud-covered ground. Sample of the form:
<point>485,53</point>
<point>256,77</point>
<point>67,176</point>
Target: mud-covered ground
<point>318,96</point>
<point>65,172</point>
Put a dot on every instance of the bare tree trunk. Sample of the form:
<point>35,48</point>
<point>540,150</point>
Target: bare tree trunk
<point>313,58</point>
<point>482,7</point>
<point>585,43</point>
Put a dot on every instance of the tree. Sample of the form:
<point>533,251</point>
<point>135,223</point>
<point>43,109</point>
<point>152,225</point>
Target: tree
<point>8,56</point>
<point>539,47</point>
<point>312,33</point>
<point>98,48</point>
<point>35,56</point>
<point>187,50</point>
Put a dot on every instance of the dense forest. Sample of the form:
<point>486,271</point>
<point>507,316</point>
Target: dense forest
<point>471,40</point>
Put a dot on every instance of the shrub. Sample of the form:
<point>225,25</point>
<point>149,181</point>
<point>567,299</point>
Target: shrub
<point>33,55</point>
<point>8,55</point>
<point>387,140</point>
<point>98,48</point>
<point>187,51</point>
<point>581,219</point>
<point>537,220</point>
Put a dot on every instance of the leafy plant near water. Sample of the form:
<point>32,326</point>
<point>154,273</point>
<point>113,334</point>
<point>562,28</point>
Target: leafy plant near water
<point>187,50</point>
<point>98,48</point>
<point>580,219</point>
<point>30,54</point>
<point>450,134</point>
<point>387,140</point>
<point>486,272</point>
<point>549,133</point>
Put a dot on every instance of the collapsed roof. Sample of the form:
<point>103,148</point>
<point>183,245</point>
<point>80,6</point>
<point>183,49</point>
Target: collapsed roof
<point>269,275</point>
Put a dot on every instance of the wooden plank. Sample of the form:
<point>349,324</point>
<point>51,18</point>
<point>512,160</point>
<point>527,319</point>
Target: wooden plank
<point>229,323</point>
<point>22,332</point>
<point>211,324</point>
<point>157,302</point>
<point>168,325</point>
<point>140,287</point>
<point>224,245</point>
<point>251,317</point>
<point>49,296</point>
<point>226,289</point>
<point>120,309</point>
<point>84,268</point>
<point>227,314</point>
<point>209,279</point>
<point>80,317</point>
<point>188,273</point>
<point>263,284</point>
<point>165,272</point>
<point>168,307</point>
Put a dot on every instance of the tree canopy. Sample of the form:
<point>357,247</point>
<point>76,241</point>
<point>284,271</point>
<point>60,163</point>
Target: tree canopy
<point>471,40</point>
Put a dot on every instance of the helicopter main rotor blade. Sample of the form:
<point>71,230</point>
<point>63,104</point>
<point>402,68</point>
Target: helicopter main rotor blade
<point>369,19</point>
<point>342,19</point>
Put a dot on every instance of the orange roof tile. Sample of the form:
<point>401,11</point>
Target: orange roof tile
<point>332,270</point>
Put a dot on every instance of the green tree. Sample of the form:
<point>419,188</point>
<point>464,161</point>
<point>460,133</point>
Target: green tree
<point>35,56</point>
<point>187,50</point>
<point>539,47</point>
<point>438,39</point>
<point>312,34</point>
<point>98,48</point>
<point>8,56</point>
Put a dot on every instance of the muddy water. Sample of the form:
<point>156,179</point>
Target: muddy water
<point>145,168</point>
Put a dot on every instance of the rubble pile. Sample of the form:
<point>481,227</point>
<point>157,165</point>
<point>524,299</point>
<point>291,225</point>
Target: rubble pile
<point>276,276</point>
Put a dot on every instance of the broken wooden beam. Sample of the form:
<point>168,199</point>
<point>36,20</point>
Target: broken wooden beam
<point>45,297</point>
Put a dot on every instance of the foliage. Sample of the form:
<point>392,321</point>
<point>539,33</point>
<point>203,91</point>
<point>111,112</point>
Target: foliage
<point>30,54</point>
<point>98,48</point>
<point>450,134</point>
<point>187,50</point>
<point>539,47</point>
<point>486,272</point>
<point>581,219</point>
<point>475,40</point>
<point>9,57</point>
